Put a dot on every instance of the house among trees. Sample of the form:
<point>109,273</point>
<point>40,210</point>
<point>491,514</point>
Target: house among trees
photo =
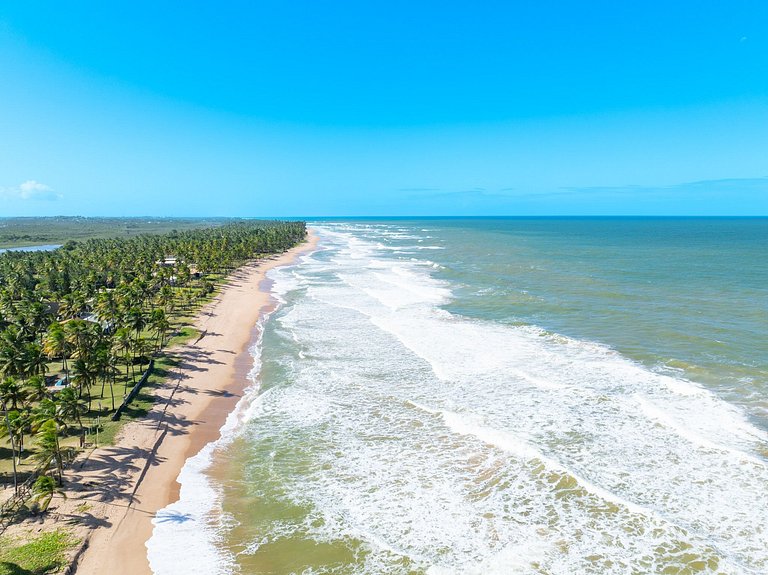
<point>168,262</point>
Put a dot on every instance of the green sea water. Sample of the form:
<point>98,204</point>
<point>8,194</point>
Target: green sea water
<point>488,396</point>
<point>687,294</point>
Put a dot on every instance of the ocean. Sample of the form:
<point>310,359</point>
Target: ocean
<point>496,396</point>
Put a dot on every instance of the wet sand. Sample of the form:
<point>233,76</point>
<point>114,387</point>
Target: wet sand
<point>125,485</point>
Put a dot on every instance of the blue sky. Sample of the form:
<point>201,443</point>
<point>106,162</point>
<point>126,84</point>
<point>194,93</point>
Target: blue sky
<point>308,108</point>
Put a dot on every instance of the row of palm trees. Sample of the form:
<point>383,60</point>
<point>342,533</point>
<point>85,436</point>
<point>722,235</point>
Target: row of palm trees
<point>96,310</point>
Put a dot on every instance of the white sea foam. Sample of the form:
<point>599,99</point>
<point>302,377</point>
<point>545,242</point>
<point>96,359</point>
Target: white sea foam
<point>566,468</point>
<point>195,522</point>
<point>443,445</point>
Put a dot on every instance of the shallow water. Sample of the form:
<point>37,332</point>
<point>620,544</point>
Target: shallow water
<point>499,396</point>
<point>39,248</point>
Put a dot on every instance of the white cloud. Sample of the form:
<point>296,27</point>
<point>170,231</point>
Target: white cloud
<point>30,190</point>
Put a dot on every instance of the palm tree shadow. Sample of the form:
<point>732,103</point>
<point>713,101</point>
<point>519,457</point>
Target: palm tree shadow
<point>87,519</point>
<point>116,466</point>
<point>172,517</point>
<point>218,392</point>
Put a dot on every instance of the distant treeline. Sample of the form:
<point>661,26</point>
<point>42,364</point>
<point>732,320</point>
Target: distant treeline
<point>26,231</point>
<point>24,238</point>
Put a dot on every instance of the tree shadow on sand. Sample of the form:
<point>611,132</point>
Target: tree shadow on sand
<point>163,516</point>
<point>115,468</point>
<point>87,519</point>
<point>218,393</point>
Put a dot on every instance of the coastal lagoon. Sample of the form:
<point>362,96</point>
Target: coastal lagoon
<point>480,396</point>
<point>42,248</point>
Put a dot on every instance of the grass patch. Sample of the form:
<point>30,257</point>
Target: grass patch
<point>108,432</point>
<point>46,553</point>
<point>183,335</point>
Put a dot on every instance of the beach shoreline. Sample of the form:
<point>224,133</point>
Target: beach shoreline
<point>126,484</point>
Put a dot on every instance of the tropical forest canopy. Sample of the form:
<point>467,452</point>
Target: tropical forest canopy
<point>88,313</point>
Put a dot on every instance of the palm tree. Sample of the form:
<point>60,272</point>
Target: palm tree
<point>136,321</point>
<point>36,389</point>
<point>12,392</point>
<point>34,316</point>
<point>183,275</point>
<point>15,425</point>
<point>165,298</point>
<point>108,371</point>
<point>78,336</point>
<point>9,430</point>
<point>160,324</point>
<point>107,307</point>
<point>84,376</point>
<point>33,360</point>
<point>123,343</point>
<point>43,491</point>
<point>186,298</point>
<point>47,410</point>
<point>49,448</point>
<point>72,305</point>
<point>69,407</point>
<point>55,344</point>
<point>12,344</point>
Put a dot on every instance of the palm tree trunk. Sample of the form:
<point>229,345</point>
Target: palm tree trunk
<point>21,447</point>
<point>59,463</point>
<point>13,453</point>
<point>112,391</point>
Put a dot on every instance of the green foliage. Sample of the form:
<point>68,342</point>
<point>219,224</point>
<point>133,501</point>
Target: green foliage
<point>43,554</point>
<point>100,309</point>
<point>49,448</point>
<point>43,491</point>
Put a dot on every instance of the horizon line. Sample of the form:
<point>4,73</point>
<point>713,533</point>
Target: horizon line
<point>410,216</point>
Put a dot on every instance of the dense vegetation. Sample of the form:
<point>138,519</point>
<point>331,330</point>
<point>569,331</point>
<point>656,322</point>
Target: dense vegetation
<point>90,314</point>
<point>57,230</point>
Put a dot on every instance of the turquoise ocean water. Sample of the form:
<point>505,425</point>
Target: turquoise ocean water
<point>482,396</point>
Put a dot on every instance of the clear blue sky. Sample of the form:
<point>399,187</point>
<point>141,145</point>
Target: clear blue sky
<point>307,108</point>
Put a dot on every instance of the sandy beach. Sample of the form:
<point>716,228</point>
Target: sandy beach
<point>118,489</point>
